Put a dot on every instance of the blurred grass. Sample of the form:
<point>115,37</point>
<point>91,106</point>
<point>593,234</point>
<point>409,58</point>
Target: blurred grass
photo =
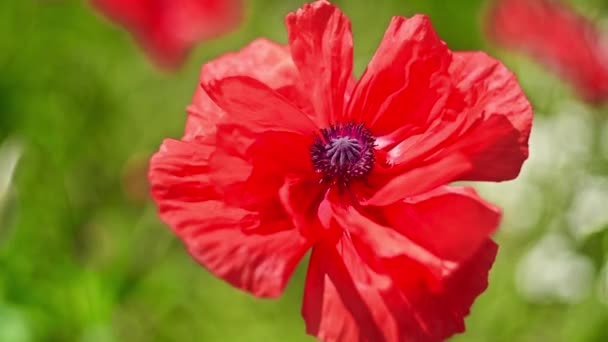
<point>87,261</point>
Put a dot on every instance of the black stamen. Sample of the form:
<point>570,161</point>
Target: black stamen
<point>343,153</point>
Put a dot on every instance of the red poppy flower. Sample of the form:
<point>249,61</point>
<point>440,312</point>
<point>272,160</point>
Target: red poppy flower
<point>284,152</point>
<point>555,35</point>
<point>167,30</point>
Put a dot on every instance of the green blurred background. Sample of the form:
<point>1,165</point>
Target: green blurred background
<point>83,256</point>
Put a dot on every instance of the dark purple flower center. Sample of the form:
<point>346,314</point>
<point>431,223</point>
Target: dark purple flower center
<point>342,153</point>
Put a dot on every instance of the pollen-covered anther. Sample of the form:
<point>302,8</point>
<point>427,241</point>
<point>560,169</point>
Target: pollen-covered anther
<point>343,153</point>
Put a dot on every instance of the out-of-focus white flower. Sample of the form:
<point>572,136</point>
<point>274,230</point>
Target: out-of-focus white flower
<point>560,142</point>
<point>588,212</point>
<point>552,272</point>
<point>522,203</point>
<point>10,152</point>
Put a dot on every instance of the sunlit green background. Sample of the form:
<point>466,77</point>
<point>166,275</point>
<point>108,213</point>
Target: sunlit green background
<point>83,256</point>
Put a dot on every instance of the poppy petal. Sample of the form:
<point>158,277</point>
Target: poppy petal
<point>300,199</point>
<point>257,107</point>
<point>441,312</point>
<point>450,222</point>
<point>167,30</point>
<point>321,44</point>
<point>344,300</point>
<point>406,81</point>
<point>176,159</point>
<point>387,242</point>
<point>412,182</point>
<point>349,298</point>
<point>487,118</point>
<point>259,264</point>
<point>555,35</point>
<point>419,146</point>
<point>498,145</point>
<point>264,60</point>
<point>215,233</point>
<point>249,170</point>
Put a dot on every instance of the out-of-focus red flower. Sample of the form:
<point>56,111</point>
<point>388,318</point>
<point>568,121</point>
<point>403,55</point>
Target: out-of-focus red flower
<point>555,35</point>
<point>168,29</point>
<point>284,151</point>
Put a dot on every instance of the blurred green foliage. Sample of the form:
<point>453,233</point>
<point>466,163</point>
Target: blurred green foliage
<point>86,259</point>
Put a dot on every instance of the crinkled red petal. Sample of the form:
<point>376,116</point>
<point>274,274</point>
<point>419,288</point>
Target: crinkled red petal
<point>406,81</point>
<point>349,296</point>
<point>222,238</point>
<point>321,44</point>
